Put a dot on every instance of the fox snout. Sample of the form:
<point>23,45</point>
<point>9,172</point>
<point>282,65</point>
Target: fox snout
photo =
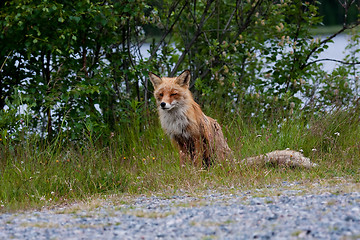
<point>166,106</point>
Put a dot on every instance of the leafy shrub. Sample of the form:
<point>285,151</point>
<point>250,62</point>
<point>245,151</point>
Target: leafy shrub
<point>79,68</point>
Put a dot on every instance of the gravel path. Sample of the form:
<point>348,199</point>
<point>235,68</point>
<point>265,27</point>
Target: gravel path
<point>288,211</point>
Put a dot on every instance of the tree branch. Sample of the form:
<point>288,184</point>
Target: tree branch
<point>228,22</point>
<point>248,19</point>
<point>197,34</point>
<point>346,5</point>
<point>167,32</point>
<point>305,64</point>
<point>332,60</point>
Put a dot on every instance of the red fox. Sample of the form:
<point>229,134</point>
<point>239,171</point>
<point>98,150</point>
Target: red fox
<point>199,137</point>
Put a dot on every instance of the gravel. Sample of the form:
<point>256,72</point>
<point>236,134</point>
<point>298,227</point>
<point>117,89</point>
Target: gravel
<point>286,211</point>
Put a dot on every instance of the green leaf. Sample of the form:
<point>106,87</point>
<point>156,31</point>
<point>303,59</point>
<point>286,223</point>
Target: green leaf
<point>75,18</point>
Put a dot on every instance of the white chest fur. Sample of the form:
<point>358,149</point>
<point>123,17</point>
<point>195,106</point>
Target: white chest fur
<point>174,122</point>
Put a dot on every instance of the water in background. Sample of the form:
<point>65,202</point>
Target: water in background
<point>335,51</point>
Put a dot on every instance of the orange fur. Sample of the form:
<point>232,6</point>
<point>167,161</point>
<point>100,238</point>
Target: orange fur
<point>198,137</point>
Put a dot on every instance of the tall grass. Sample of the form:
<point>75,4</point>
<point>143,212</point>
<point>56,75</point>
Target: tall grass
<point>35,174</point>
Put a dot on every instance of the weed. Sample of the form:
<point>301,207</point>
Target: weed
<point>40,225</point>
<point>35,174</point>
<point>150,214</point>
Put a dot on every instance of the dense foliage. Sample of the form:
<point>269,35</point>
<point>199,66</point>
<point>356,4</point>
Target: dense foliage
<point>78,69</point>
<point>334,14</point>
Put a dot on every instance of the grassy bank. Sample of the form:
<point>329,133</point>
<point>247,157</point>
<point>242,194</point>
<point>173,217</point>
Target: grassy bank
<point>326,30</point>
<point>35,174</point>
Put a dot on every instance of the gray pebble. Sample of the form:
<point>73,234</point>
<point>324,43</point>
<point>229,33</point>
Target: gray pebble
<point>292,215</point>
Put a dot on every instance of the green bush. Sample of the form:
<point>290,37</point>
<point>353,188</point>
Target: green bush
<point>78,68</point>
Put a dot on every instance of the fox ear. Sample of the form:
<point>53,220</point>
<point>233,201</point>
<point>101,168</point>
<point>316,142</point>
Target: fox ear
<point>155,79</point>
<point>184,79</point>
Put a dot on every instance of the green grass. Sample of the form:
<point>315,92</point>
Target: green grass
<point>326,30</point>
<point>33,174</point>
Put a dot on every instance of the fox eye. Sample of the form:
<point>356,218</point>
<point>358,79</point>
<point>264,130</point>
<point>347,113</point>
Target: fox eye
<point>173,94</point>
<point>161,94</point>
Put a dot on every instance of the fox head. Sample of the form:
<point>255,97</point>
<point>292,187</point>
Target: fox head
<point>171,93</point>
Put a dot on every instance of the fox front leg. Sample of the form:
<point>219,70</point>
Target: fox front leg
<point>198,153</point>
<point>183,158</point>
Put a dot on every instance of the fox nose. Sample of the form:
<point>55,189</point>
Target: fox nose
<point>163,104</point>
